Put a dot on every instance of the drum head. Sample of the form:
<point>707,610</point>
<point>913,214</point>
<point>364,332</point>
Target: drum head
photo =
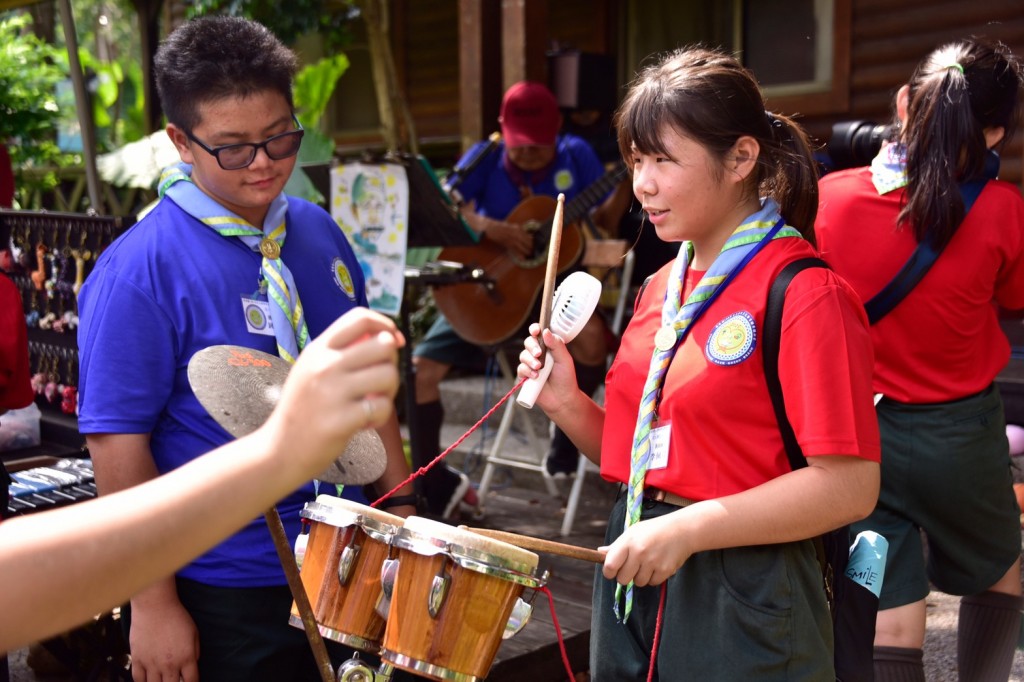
<point>465,541</point>
<point>327,508</point>
<point>239,388</point>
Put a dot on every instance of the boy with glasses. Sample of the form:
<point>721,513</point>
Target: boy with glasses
<point>224,258</point>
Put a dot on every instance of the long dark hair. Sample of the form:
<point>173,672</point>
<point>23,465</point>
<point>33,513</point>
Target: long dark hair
<point>708,96</point>
<point>956,92</point>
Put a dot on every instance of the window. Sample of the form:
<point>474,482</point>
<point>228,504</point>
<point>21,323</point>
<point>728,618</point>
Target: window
<point>799,49</point>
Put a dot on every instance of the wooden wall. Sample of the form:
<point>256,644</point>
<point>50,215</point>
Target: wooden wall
<point>425,40</point>
<point>889,38</point>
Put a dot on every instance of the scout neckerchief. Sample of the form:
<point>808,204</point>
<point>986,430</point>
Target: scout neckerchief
<point>889,168</point>
<point>275,279</point>
<point>676,320</point>
<point>524,180</point>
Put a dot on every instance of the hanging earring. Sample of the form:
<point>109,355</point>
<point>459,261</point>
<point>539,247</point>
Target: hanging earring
<point>39,275</point>
<point>69,403</point>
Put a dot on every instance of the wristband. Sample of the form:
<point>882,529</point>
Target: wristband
<point>398,501</point>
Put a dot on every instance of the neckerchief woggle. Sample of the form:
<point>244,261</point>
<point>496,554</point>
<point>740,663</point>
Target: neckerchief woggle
<point>743,244</point>
<point>275,279</point>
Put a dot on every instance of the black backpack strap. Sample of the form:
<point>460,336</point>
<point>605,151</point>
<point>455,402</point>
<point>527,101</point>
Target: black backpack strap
<point>640,294</point>
<point>925,254</point>
<point>772,331</point>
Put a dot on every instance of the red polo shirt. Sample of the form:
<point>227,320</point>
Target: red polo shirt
<point>15,389</point>
<point>724,435</point>
<point>943,341</point>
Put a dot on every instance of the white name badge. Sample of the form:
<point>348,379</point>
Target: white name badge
<point>659,440</point>
<point>257,316</point>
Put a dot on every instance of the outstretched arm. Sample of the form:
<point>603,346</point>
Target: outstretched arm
<point>63,566</point>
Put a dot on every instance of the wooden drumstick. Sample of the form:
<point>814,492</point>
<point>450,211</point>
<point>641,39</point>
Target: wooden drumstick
<point>291,574</point>
<point>554,243</point>
<point>538,545</point>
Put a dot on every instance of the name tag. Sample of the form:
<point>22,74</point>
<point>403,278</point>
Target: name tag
<point>257,316</point>
<point>659,440</point>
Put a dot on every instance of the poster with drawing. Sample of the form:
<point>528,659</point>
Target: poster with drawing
<point>370,202</point>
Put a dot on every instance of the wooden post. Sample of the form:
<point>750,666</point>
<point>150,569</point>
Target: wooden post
<point>385,80</point>
<point>83,106</point>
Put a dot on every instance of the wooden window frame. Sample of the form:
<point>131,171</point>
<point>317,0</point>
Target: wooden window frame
<point>835,99</point>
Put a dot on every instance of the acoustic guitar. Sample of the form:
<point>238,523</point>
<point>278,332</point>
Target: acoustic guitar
<point>489,311</point>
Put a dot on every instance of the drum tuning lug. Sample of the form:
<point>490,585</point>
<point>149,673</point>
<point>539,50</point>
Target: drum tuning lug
<point>355,670</point>
<point>438,592</point>
<point>518,619</point>
<point>346,561</point>
<point>388,576</point>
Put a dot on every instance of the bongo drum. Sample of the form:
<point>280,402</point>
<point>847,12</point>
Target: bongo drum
<point>348,543</point>
<point>452,598</point>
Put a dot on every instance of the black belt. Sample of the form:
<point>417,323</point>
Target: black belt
<point>656,495</point>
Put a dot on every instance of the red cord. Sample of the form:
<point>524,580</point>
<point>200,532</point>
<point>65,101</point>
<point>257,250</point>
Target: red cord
<point>558,633</point>
<point>657,631</point>
<point>424,469</point>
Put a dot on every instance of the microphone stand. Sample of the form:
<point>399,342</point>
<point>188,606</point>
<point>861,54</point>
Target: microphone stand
<point>460,172</point>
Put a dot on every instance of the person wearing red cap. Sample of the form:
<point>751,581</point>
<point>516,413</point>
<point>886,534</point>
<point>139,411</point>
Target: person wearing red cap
<point>533,159</point>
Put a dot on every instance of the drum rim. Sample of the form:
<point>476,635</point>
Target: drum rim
<point>521,558</point>
<point>418,666</point>
<point>338,516</point>
<point>331,515</point>
<point>478,561</point>
<point>354,641</point>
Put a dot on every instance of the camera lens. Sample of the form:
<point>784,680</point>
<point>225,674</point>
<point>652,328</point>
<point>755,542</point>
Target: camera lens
<point>855,143</point>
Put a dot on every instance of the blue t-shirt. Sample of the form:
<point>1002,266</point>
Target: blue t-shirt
<point>169,287</point>
<point>497,193</point>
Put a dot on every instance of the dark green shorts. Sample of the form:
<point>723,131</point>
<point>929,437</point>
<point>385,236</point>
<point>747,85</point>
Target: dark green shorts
<point>442,344</point>
<point>748,613</point>
<point>945,474</point>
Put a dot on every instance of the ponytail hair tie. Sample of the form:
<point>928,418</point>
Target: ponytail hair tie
<point>772,121</point>
<point>954,65</point>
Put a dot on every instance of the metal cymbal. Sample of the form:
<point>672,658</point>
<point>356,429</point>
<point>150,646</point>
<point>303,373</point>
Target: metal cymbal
<point>239,388</point>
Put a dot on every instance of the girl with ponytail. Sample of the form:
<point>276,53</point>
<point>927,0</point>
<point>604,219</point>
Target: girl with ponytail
<point>946,466</point>
<point>710,541</point>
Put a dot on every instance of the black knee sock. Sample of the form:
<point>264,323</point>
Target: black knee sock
<point>898,664</point>
<point>589,377</point>
<point>987,635</point>
<point>438,484</point>
<point>562,449</point>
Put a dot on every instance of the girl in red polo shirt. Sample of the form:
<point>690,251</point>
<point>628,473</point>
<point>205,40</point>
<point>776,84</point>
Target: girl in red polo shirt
<point>946,469</point>
<point>711,508</point>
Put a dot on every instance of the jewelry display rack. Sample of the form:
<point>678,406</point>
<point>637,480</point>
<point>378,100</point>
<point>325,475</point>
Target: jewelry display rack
<point>51,255</point>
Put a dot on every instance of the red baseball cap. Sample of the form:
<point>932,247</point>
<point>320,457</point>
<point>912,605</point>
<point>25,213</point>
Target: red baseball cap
<point>529,115</point>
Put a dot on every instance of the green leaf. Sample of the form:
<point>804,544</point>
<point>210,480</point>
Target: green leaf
<point>314,85</point>
<point>316,147</point>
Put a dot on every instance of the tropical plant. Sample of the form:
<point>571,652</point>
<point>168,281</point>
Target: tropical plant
<point>314,85</point>
<point>328,18</point>
<point>29,72</point>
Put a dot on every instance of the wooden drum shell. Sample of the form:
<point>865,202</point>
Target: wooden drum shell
<point>346,613</point>
<point>461,641</point>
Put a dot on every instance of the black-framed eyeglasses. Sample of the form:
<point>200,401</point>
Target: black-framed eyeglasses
<point>241,155</point>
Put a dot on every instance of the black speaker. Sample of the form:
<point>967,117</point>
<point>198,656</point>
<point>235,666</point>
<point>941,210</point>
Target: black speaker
<point>583,80</point>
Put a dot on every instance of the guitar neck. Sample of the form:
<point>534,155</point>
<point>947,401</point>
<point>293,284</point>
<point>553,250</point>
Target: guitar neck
<point>590,196</point>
